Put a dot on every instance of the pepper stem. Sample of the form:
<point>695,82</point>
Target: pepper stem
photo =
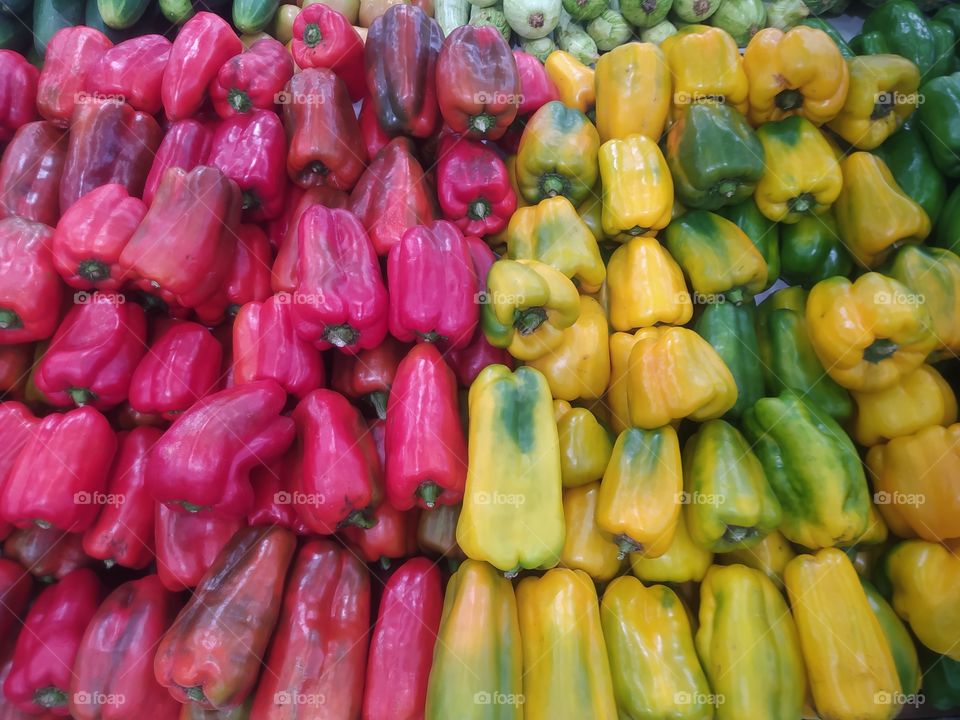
<point>359,518</point>
<point>552,184</point>
<point>738,533</point>
<point>312,35</point>
<point>340,335</point>
<point>81,396</point>
<point>626,545</point>
<point>880,349</point>
<point>195,693</point>
<point>93,270</point>
<point>316,168</point>
<point>883,107</point>
<point>9,320</point>
<point>479,209</point>
<point>801,203</point>
<point>727,188</point>
<point>511,574</point>
<point>527,321</point>
<point>789,99</point>
<point>43,524</point>
<point>735,296</point>
<point>378,400</point>
<point>239,100</point>
<point>50,697</point>
<point>636,231</point>
<point>109,563</point>
<point>429,491</point>
<point>190,507</point>
<point>385,562</point>
<point>481,123</point>
<point>250,200</point>
<point>431,337</point>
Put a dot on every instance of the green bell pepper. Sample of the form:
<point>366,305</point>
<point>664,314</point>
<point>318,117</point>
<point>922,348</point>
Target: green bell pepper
<point>911,162</point>
<point>763,233</point>
<point>900,28</point>
<point>946,233</point>
<point>950,14</point>
<point>945,41</point>
<point>731,330</point>
<point>939,118</point>
<point>811,250</point>
<point>898,638</point>
<point>941,679</point>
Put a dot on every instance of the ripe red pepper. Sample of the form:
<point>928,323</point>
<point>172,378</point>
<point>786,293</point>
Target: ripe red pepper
<point>392,195</point>
<point>253,79</point>
<point>247,281</point>
<point>393,536</point>
<point>15,365</point>
<point>30,289</point>
<point>7,710</point>
<point>325,143</point>
<point>47,554</point>
<point>15,586</point>
<point>17,425</point>
<point>368,375</point>
<point>401,649</point>
<point>324,38</point>
<point>203,461</point>
<point>473,187</point>
<point>18,93</point>
<point>374,137</point>
<point>94,352</point>
<point>30,173</point>
<point>190,711</point>
<point>273,502</point>
<point>212,653</point>
<point>536,87</point>
<point>204,43</point>
<point>185,145</point>
<point>71,53</point>
<point>478,85</point>
<point>284,273</point>
<point>123,532</point>
<point>337,474</point>
<point>188,543</point>
<point>183,249</point>
<point>182,366</point>
<point>44,655</point>
<point>113,673</point>
<point>317,659</point>
<point>131,71</point>
<point>400,56</point>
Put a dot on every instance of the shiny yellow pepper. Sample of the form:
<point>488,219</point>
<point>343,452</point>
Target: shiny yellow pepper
<point>705,64</point>
<point>683,562</point>
<point>585,445</point>
<point>646,286</point>
<point>633,92</point>
<point>586,547</point>
<point>574,80</point>
<point>637,187</point>
<point>770,556</point>
<point>621,345</point>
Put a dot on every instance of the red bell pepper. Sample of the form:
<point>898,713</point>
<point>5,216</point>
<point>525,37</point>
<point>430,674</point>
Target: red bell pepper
<point>401,649</point>
<point>204,460</point>
<point>212,653</point>
<point>247,281</point>
<point>536,87</point>
<point>284,273</point>
<point>182,366</point>
<point>393,536</point>
<point>15,586</point>
<point>374,137</point>
<point>15,365</point>
<point>190,711</point>
<point>30,289</point>
<point>253,79</point>
<point>316,663</point>
<point>131,71</point>
<point>30,173</point>
<point>113,673</point>
<point>71,53</point>
<point>324,38</point>
<point>473,187</point>
<point>337,476</point>
<point>18,93</point>
<point>204,43</point>
<point>478,86</point>
<point>7,710</point>
<point>188,543</point>
<point>94,352</point>
<point>17,426</point>
<point>183,249</point>
<point>432,286</point>
<point>266,347</point>
<point>251,150</point>
<point>273,502</point>
<point>400,56</point>
<point>47,554</point>
<point>277,228</point>
<point>44,655</point>
<point>325,143</point>
<point>123,532</point>
<point>368,375</point>
<point>393,195</point>
<point>185,145</point>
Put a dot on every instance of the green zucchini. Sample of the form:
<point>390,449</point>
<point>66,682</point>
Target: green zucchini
<point>451,14</point>
<point>176,11</point>
<point>122,14</point>
<point>49,16</point>
<point>252,16</point>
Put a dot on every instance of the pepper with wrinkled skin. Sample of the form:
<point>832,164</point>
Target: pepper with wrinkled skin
<point>47,554</point>
<point>811,250</point>
<point>30,173</point>
<point>770,556</point>
<point>284,273</point>
<point>585,546</point>
<point>574,80</point>
<point>706,66</point>
<point>585,445</point>
<point>71,53</point>
<point>186,144</point>
<point>646,286</point>
<point>633,92</point>
<point>369,375</point>
<point>187,544</point>
<point>133,70</point>
<point>473,187</point>
<point>30,289</point>
<point>683,562</point>
<point>938,119</point>
<point>763,233</point>
<point>637,187</point>
<point>731,331</point>
<point>392,536</point>
<point>324,38</point>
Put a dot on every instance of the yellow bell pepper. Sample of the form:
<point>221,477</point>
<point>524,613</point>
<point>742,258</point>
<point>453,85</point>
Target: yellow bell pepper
<point>591,211</point>
<point>637,187</point>
<point>683,562</point>
<point>585,445</point>
<point>586,547</point>
<point>852,672</point>
<point>933,273</point>
<point>646,286</point>
<point>621,345</point>
<point>566,673</point>
<point>574,80</point>
<point>770,556</point>
<point>633,92</point>
<point>868,333</point>
<point>876,532</point>
<point>640,492</point>
<point>674,374</point>
<point>705,65</point>
<point>873,214</point>
<point>798,72</point>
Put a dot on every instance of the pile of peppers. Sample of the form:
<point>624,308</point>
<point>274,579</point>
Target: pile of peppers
<point>407,377</point>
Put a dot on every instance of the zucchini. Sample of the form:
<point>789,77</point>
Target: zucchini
<point>532,19</point>
<point>122,14</point>
<point>829,29</point>
<point>609,30</point>
<point>451,14</point>
<point>492,16</point>
<point>49,16</point>
<point>176,11</point>
<point>574,40</point>
<point>252,16</point>
<point>539,48</point>
<point>741,18</point>
<point>645,13</point>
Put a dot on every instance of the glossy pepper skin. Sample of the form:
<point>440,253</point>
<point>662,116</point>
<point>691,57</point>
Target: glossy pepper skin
<point>910,161</point>
<point>868,333</point>
<point>188,543</point>
<point>48,554</point>
<point>903,30</point>
<point>770,556</point>
<point>16,587</point>
<point>16,362</point>
<point>512,513</point>
<point>133,70</point>
<point>646,286</point>
<point>247,280</point>
<point>71,53</point>
<point>941,679</point>
<point>637,187</point>
<point>30,289</point>
<point>284,274</point>
<point>585,546</point>
<point>813,469</point>
<point>473,187</point>
<point>185,145</point>
<point>919,399</point>
<point>633,92</point>
<point>934,272</point>
<point>369,375</point>
<point>813,181</point>
<point>392,536</point>
<point>731,331</point>
<point>898,638</point>
<point>30,173</point>
<point>324,38</point>
<point>39,678</point>
<point>374,137</point>
<point>585,444</point>
<point>653,663</point>
<point>851,667</point>
<point>204,43</point>
<point>684,561</point>
<point>237,602</point>
<point>574,80</point>
<point>705,66</point>
<point>319,651</point>
<point>19,92</point>
<point>811,250</point>
<point>763,233</point>
<point>938,119</point>
<point>252,80</point>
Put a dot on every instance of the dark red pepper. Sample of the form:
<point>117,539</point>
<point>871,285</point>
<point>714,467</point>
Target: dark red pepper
<point>368,375</point>
<point>324,38</point>
<point>393,536</point>
<point>188,543</point>
<point>15,585</point>
<point>284,273</point>
<point>71,53</point>
<point>185,145</point>
<point>273,501</point>
<point>374,137</point>
<point>17,425</point>
<point>18,93</point>
<point>131,71</point>
<point>7,710</point>
<point>253,79</point>
<point>30,288</point>
<point>47,554</point>
<point>30,173</point>
<point>15,365</point>
<point>473,187</point>
<point>247,281</point>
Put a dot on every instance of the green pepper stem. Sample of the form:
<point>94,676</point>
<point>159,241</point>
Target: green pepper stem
<point>195,693</point>
<point>50,697</point>
<point>431,337</point>
<point>879,350</point>
<point>43,524</point>
<point>340,335</point>
<point>250,200</point>
<point>479,209</point>
<point>527,321</point>
<point>81,396</point>
<point>378,400</point>
<point>359,518</point>
<point>429,491</point>
<point>481,123</point>
<point>789,100</point>
<point>626,545</point>
<point>553,184</point>
<point>9,320</point>
<point>93,270</point>
<point>801,203</point>
<point>738,534</point>
<point>312,35</point>
<point>190,507</point>
<point>385,562</point>
<point>239,100</point>
<point>637,231</point>
<point>511,574</point>
<point>727,188</point>
<point>316,168</point>
<point>735,296</point>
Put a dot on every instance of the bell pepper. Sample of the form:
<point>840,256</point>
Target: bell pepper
<point>935,273</point>
<point>637,187</point>
<point>911,163</point>
<point>185,145</point>
<point>566,671</point>
<point>252,80</point>
<point>586,547</point>
<point>123,532</point>
<point>770,556</point>
<point>749,646</point>
<point>43,658</point>
<point>93,354</point>
<point>273,496</point>
<point>585,445</point>
<point>113,671</point>
<point>811,250</point>
<point>937,117</point>
<point>60,473</point>
<point>946,232</point>
<point>852,671</point>
<point>15,587</point>
<point>813,469</point>
<point>325,147</point>
<point>574,80</point>
<point>653,662</point>
<point>368,375</point>
<point>211,654</point>
<point>16,362</point>
<point>374,137</point>
<point>730,330</point>
<point>132,70</point>
<point>473,187</point>
<point>188,543</point>
<point>787,357</point>
<point>19,91</point>
<point>392,536</point>
<point>392,196</point>
<point>512,513</point>
<point>30,289</point>
<point>202,46</point>
<point>763,233</point>
<point>633,92</point>
<point>402,643</point>
<point>673,374</point>
<point>941,680</point>
<point>71,53</point>
<point>646,286</point>
<point>900,29</point>
<point>47,554</point>
<point>30,173</point>
<point>557,155</point>
<point>437,532</point>
<point>324,38</point>
<point>801,174</point>
<point>918,400</point>
<point>182,249</point>
<point>684,561</point>
<point>705,65</point>
<point>901,643</point>
<point>286,266</point>
<point>191,711</point>
<point>248,278</point>
<point>870,332</point>
<point>317,659</point>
